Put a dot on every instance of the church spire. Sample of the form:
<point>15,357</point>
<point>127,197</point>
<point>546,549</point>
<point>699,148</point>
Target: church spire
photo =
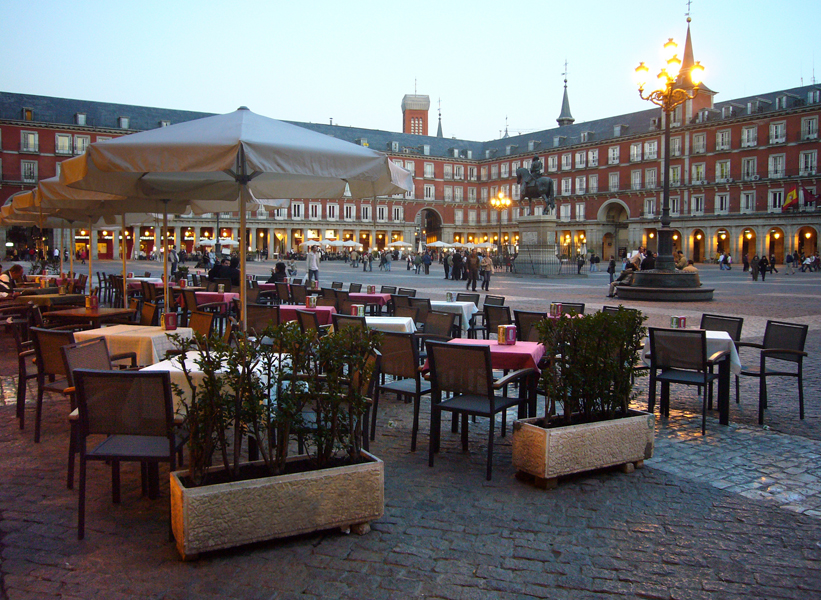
<point>565,118</point>
<point>439,130</point>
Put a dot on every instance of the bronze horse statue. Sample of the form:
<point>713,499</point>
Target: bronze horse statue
<point>533,189</point>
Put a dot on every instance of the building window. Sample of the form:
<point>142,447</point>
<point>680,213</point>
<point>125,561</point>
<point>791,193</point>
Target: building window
<point>471,217</point>
<point>748,202</point>
<point>675,146</point>
<point>593,157</point>
<point>649,207</point>
<point>564,212</point>
<point>580,184</point>
<point>350,212</point>
<point>458,217</point>
<point>749,169</point>
<point>410,166</point>
<point>580,211</point>
<point>62,144</point>
<point>484,173</point>
<point>723,171</point>
<point>723,139</point>
<point>80,119</point>
<point>505,170</point>
<point>429,192</point>
<point>471,173</point>
<point>698,174</point>
<point>778,132</point>
<point>29,141</point>
<point>296,210</point>
<point>635,152</point>
<point>807,163</point>
<point>675,175</point>
<point>809,128</point>
<point>123,122</point>
<point>428,170</point>
<point>580,159</point>
<point>382,213</point>
<point>650,179</point>
<point>567,186</point>
<point>697,204</point>
<point>613,155</point>
<point>651,150</point>
<point>515,190</point>
<point>776,169</point>
<point>635,180</point>
<point>722,204</point>
<point>776,201</point>
<point>366,212</point>
<point>81,142</point>
<point>332,211</point>
<point>594,184</point>
<point>674,205</point>
<point>613,182</point>
<point>28,171</point>
<point>458,193</point>
<point>315,211</point>
<point>552,163</point>
<point>471,194</point>
<point>749,137</point>
<point>494,171</point>
<point>458,172</point>
<point>484,195</point>
<point>448,193</point>
<point>699,143</point>
<point>567,163</point>
<point>448,172</point>
<point>398,214</point>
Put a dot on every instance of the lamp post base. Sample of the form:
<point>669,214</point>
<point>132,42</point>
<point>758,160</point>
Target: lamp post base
<point>665,286</point>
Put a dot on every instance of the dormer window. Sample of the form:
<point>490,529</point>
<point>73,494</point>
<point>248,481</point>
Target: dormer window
<point>165,123</point>
<point>80,119</point>
<point>28,114</point>
<point>123,122</point>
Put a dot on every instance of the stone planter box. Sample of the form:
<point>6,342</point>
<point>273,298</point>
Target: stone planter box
<point>546,454</point>
<point>225,515</point>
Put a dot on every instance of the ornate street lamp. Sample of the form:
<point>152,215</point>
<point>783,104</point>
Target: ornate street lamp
<point>500,203</point>
<point>671,90</point>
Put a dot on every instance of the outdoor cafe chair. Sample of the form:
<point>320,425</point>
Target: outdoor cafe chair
<point>92,354</point>
<point>526,321</point>
<point>323,301</point>
<point>423,304</point>
<point>51,371</point>
<point>299,293</point>
<point>466,373</point>
<point>407,311</point>
<point>387,289</point>
<point>495,316</point>
<point>680,356</point>
<point>26,370</point>
<point>784,343</point>
<point>568,308</point>
<point>336,285</point>
<point>214,286</point>
<point>406,292</point>
<point>308,321</point>
<point>134,410</point>
<point>148,314</point>
<point>732,325</point>
<point>260,317</point>
<point>354,288</point>
<point>283,292</point>
<point>342,320</point>
<point>403,375</point>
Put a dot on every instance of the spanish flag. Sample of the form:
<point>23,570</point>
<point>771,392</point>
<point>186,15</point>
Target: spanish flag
<point>791,200</point>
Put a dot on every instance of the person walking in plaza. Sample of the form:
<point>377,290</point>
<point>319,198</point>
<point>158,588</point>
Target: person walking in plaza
<point>447,261</point>
<point>173,258</point>
<point>763,265</point>
<point>788,260</point>
<point>754,268</point>
<point>486,269</point>
<point>456,271</point>
<point>745,260</point>
<point>312,264</point>
<point>772,264</point>
<point>611,267</point>
<point>472,270</point>
<point>426,260</point>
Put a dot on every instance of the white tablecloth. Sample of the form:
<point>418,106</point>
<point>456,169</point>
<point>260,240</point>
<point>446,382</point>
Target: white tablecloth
<point>150,343</point>
<point>717,341</point>
<point>400,324</point>
<point>148,279</point>
<point>465,309</point>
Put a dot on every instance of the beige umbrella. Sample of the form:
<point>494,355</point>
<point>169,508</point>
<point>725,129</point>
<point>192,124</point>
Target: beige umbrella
<point>239,156</point>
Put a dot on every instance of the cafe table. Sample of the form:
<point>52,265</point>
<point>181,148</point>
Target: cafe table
<point>464,311</point>
<point>287,312</point>
<point>400,324</point>
<point>717,341</point>
<point>95,316</point>
<point>378,300</point>
<point>51,299</point>
<point>149,343</point>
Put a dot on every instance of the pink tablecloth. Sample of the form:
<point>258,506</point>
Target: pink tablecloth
<point>267,287</point>
<point>521,355</point>
<point>363,298</point>
<point>287,312</point>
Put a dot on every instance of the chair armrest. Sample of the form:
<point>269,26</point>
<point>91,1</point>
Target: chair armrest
<point>125,355</point>
<point>69,391</point>
<point>74,327</point>
<point>512,376</point>
<point>718,357</point>
<point>771,351</point>
<point>208,305</point>
<point>749,345</point>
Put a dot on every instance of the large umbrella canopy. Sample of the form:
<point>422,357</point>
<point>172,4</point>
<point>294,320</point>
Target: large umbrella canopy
<point>401,244</point>
<point>240,155</point>
<point>439,244</point>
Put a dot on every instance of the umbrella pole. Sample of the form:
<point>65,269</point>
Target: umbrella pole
<point>71,253</point>
<point>90,261</point>
<point>124,247</point>
<point>243,193</point>
<point>62,244</point>
<point>164,254</point>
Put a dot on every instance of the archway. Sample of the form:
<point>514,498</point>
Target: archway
<point>697,244</point>
<point>722,242</point>
<point>613,215</point>
<point>775,244</point>
<point>748,243</point>
<point>807,242</point>
<point>428,226</point>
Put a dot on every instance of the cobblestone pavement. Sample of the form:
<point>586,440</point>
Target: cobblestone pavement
<point>733,514</point>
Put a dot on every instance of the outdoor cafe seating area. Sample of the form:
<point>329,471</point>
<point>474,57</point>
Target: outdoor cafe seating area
<point>427,345</point>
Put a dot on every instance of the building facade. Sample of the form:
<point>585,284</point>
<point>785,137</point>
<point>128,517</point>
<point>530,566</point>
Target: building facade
<point>734,166</point>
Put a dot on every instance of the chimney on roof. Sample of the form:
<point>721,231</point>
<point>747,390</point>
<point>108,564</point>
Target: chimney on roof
<point>415,114</point>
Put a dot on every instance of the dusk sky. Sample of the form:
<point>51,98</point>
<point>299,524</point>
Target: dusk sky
<point>354,61</point>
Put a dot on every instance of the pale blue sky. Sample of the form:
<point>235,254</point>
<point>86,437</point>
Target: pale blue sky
<point>353,61</point>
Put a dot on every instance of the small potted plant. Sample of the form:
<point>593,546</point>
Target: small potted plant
<point>299,390</point>
<point>591,378</point>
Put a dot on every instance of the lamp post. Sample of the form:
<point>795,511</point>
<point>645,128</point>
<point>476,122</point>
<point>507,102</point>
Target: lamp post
<point>500,203</point>
<point>671,91</point>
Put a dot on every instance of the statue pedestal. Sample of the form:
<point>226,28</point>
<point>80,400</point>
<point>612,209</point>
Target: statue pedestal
<point>538,254</point>
<point>665,286</point>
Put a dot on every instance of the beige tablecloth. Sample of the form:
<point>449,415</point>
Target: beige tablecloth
<point>150,343</point>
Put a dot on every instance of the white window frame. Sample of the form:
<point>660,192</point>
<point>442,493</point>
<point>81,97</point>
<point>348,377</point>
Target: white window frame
<point>81,142</point>
<point>349,212</point>
<point>723,139</point>
<point>29,142</point>
<point>428,172</point>
<point>699,143</point>
<point>448,191</point>
<point>504,170</point>
<point>314,211</point>
<point>778,132</point>
<point>381,213</point>
<point>775,200</point>
<point>430,191</point>
<point>675,146</point>
<point>484,173</point>
<point>675,206</point>
<point>410,166</point>
<point>567,186</point>
<point>458,216</point>
<point>635,152</point>
<point>494,171</point>
<point>649,207</point>
<point>123,122</point>
<point>447,172</point>
<point>458,193</point>
<point>552,163</point>
<point>747,202</point>
<point>635,179</point>
<point>28,171</point>
<point>458,172</point>
<point>749,137</point>
<point>675,175</point>
<point>581,159</point>
<point>722,203</point>
<point>651,150</point>
<point>297,211</point>
<point>564,212</point>
<point>613,155</point>
<point>472,217</point>
<point>593,157</point>
<point>567,162</point>
<point>722,171</point>
<point>650,180</point>
<point>580,211</point>
<point>697,204</point>
<point>67,140</point>
<point>776,166</point>
<point>593,181</point>
<point>471,194</point>
<point>749,168</point>
<point>398,214</point>
<point>471,173</point>
<point>332,211</point>
<point>613,181</point>
<point>808,162</point>
<point>365,210</point>
<point>809,128</point>
<point>581,184</point>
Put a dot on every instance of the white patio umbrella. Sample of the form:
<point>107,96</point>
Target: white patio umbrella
<point>439,244</point>
<point>401,244</point>
<point>237,156</point>
<point>350,244</point>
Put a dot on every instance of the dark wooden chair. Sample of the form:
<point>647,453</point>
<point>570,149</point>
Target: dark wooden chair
<point>526,324</point>
<point>568,308</point>
<point>341,320</point>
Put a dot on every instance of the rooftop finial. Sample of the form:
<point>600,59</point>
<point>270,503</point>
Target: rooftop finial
<point>565,118</point>
<point>689,2</point>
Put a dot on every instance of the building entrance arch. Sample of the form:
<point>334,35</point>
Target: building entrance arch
<point>697,239</point>
<point>807,241</point>
<point>775,244</point>
<point>613,216</point>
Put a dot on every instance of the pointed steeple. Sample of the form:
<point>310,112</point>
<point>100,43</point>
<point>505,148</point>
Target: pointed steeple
<point>506,135</point>
<point>439,130</point>
<point>565,118</point>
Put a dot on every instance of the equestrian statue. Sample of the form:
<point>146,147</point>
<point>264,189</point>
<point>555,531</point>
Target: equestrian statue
<point>533,185</point>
